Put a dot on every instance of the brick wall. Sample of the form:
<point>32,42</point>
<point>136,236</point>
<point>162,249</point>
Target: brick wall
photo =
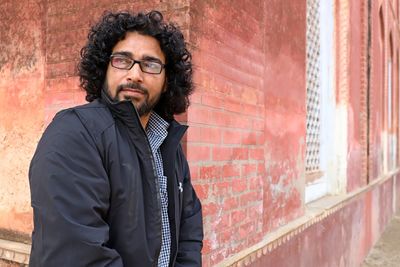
<point>226,138</point>
<point>246,141</point>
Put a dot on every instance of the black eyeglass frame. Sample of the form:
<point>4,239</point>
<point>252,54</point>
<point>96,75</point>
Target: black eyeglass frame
<point>134,61</point>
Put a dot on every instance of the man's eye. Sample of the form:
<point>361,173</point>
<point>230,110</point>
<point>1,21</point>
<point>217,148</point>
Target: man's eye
<point>150,64</point>
<point>121,60</point>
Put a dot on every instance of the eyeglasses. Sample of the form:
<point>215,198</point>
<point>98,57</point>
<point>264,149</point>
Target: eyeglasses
<point>126,63</point>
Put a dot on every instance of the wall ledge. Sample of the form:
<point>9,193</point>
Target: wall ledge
<point>315,212</point>
<point>14,251</point>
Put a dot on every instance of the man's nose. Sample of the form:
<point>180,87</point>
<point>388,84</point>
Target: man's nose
<point>135,73</point>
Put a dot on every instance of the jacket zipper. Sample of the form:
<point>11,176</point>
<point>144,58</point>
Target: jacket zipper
<point>156,180</point>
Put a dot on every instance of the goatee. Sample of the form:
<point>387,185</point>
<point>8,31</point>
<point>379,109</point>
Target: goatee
<point>143,108</point>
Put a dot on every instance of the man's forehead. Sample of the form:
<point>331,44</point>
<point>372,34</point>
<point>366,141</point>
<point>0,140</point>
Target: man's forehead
<point>139,45</point>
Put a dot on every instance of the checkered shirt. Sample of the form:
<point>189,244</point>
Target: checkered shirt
<point>156,131</point>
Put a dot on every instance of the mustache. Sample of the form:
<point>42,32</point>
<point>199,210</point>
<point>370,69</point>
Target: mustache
<point>132,85</point>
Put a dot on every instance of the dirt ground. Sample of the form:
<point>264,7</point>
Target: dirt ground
<point>386,252</point>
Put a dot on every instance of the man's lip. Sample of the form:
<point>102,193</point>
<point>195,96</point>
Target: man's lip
<point>134,90</point>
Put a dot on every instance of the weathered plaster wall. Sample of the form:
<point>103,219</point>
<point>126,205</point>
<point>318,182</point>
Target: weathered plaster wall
<point>285,111</point>
<point>21,106</point>
<point>377,83</point>
<point>39,51</point>
<point>357,95</point>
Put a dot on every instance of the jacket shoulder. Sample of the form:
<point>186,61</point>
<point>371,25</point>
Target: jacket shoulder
<point>74,123</point>
<point>95,116</point>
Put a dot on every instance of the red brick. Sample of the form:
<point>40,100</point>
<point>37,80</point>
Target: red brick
<point>209,209</point>
<point>220,118</point>
<point>238,216</point>
<point>218,255</point>
<point>194,171</point>
<point>232,105</point>
<point>239,185</point>
<point>202,191</point>
<point>198,152</point>
<point>241,122</point>
<point>222,153</point>
<point>63,84</point>
<point>257,153</point>
<point>256,210</point>
<point>194,134</point>
<point>199,114</point>
<point>248,197</point>
<point>221,222</point>
<point>210,172</point>
<point>195,98</point>
<point>246,229</point>
<point>249,138</point>
<point>229,170</point>
<point>230,203</point>
<point>249,169</point>
<point>222,188</point>
<point>261,168</point>
<point>255,183</point>
<point>206,246</point>
<point>211,135</point>
<point>231,137</point>
<point>212,101</point>
<point>252,110</point>
<point>240,153</point>
<point>227,235</point>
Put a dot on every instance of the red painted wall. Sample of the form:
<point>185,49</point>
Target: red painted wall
<point>21,106</point>
<point>226,139</point>
<point>285,109</point>
<point>357,108</point>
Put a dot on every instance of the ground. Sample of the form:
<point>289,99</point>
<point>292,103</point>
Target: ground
<point>386,252</point>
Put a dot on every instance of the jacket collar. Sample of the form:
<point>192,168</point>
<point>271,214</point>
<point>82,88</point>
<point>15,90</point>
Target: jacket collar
<point>123,110</point>
<point>127,113</point>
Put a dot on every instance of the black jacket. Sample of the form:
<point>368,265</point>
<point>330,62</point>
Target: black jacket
<point>95,195</point>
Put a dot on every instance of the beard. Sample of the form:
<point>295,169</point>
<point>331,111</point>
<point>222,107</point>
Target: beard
<point>143,108</point>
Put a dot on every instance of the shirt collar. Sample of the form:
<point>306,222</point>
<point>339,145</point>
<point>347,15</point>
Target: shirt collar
<point>157,129</point>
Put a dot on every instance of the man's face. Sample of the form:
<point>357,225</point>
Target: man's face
<point>143,89</point>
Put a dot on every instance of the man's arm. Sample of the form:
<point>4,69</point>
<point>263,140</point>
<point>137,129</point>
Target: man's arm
<point>70,198</point>
<point>191,226</point>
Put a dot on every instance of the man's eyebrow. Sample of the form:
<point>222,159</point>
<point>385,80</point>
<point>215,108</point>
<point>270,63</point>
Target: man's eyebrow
<point>123,53</point>
<point>151,58</point>
<point>145,57</point>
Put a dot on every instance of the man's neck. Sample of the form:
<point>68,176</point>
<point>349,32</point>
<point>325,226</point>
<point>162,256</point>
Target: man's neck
<point>144,119</point>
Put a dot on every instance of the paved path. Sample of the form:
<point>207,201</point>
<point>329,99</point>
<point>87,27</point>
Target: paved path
<point>386,252</point>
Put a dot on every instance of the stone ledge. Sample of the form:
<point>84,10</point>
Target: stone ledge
<point>14,251</point>
<point>315,212</point>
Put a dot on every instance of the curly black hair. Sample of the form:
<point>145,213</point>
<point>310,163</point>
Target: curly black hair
<point>111,29</point>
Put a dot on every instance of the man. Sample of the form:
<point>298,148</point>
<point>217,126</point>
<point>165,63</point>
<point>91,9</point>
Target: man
<point>110,184</point>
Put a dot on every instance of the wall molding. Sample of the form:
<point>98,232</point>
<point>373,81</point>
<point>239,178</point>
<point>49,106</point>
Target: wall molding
<point>14,251</point>
<point>315,212</point>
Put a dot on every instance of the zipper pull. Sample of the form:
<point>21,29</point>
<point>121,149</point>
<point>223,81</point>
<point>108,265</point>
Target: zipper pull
<point>180,187</point>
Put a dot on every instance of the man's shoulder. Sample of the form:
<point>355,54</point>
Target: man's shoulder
<point>93,117</point>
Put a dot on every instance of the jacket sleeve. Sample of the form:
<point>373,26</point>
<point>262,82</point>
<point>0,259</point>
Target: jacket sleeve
<point>191,225</point>
<point>70,198</point>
